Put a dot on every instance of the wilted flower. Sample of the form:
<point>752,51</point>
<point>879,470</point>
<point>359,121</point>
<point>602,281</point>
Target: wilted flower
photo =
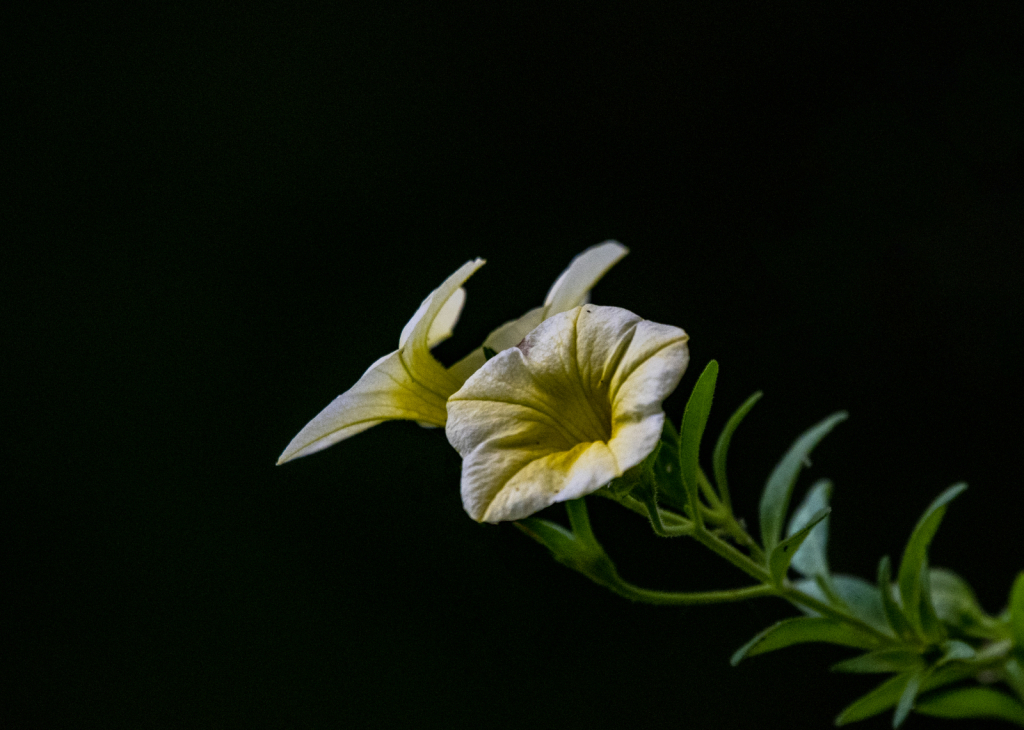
<point>574,405</point>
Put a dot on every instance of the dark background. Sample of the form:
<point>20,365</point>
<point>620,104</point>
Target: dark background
<point>222,216</point>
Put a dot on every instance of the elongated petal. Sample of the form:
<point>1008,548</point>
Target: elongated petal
<point>572,288</point>
<point>443,325</point>
<point>575,405</point>
<point>508,335</point>
<point>416,349</point>
<point>385,392</point>
<point>407,384</point>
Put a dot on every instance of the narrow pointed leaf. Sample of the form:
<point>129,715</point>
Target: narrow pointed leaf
<point>860,596</point>
<point>782,554</point>
<point>811,559</point>
<point>910,691</point>
<point>882,661</point>
<point>880,699</point>
<point>887,694</point>
<point>915,555</point>
<point>956,605</point>
<point>893,613</point>
<point>803,630</point>
<point>967,702</point>
<point>725,438</point>
<point>779,488</point>
<point>695,419</point>
<point>1017,610</point>
<point>932,628</point>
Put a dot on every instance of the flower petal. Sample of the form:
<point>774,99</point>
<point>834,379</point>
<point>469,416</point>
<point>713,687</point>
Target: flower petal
<point>416,347</point>
<point>407,384</point>
<point>444,323</point>
<point>572,288</point>
<point>385,392</point>
<point>576,404</point>
<point>508,335</point>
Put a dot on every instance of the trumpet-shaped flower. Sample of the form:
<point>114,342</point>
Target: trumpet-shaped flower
<point>411,384</point>
<point>571,407</point>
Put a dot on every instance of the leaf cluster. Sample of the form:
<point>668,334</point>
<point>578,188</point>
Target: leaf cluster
<point>922,624</point>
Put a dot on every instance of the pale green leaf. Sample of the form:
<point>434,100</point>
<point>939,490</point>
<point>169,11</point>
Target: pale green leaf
<point>906,702</point>
<point>955,603</point>
<point>782,554</point>
<point>857,594</point>
<point>779,488</point>
<point>811,559</point>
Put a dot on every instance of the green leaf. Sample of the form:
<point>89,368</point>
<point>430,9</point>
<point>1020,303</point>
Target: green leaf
<point>576,548</point>
<point>779,488</point>
<point>666,469</point>
<point>882,661</point>
<point>1017,610</point>
<point>930,624</point>
<point>811,558</point>
<point>911,577</point>
<point>488,352</point>
<point>860,596</point>
<point>725,438</point>
<point>695,419</point>
<point>958,704</point>
<point>887,694</point>
<point>880,699</point>
<point>955,650</point>
<point>564,545</point>
<point>782,554</point>
<point>893,613</point>
<point>956,605</point>
<point>802,630</point>
<point>910,691</point>
<point>1014,675</point>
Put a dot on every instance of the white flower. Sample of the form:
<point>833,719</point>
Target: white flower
<point>411,384</point>
<point>574,405</point>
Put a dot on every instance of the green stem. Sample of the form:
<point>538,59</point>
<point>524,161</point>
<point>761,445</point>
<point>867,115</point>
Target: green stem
<point>668,598</point>
<point>579,520</point>
<point>709,491</point>
<point>675,525</point>
<point>730,553</point>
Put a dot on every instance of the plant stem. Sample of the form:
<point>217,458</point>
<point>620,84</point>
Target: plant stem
<point>730,553</point>
<point>668,598</point>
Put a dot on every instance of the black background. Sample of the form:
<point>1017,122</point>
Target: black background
<point>223,215</point>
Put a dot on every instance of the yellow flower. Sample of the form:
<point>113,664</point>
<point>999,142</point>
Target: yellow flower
<point>574,405</point>
<point>411,384</point>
